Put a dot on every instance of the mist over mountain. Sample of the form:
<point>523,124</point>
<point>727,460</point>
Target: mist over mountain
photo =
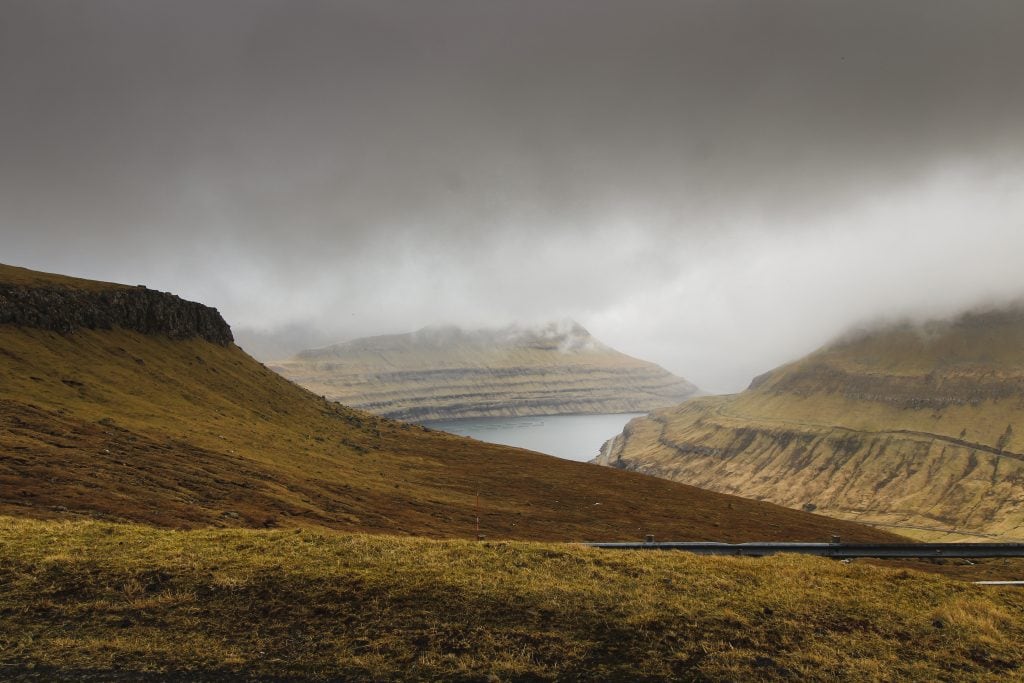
<point>715,186</point>
<point>282,342</point>
<point>447,372</point>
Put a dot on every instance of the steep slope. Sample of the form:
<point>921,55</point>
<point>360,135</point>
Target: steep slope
<point>447,373</point>
<point>146,412</point>
<point>919,427</point>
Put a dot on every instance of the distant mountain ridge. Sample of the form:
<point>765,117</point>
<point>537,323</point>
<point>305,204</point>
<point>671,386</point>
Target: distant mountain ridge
<point>565,337</point>
<point>449,372</point>
<point>919,426</point>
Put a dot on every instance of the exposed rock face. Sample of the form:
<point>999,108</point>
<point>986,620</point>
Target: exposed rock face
<point>920,427</point>
<point>62,308</point>
<point>447,373</point>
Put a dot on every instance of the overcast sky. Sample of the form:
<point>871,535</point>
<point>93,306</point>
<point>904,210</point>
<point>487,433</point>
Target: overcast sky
<point>715,186</point>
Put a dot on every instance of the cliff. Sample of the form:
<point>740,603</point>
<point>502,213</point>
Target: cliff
<point>62,304</point>
<point>447,372</point>
<point>916,427</point>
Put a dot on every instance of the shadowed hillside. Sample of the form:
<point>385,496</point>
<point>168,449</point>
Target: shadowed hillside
<point>102,602</point>
<point>441,373</point>
<point>118,424</point>
<point>916,426</point>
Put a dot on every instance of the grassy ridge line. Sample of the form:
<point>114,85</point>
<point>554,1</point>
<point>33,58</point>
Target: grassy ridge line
<point>122,426</point>
<point>31,278</point>
<point>113,602</point>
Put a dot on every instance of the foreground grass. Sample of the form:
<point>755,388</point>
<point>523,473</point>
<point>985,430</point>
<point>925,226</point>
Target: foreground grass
<point>96,601</point>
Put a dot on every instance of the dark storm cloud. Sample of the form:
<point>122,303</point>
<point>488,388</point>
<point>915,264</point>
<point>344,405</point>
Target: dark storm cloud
<point>372,166</point>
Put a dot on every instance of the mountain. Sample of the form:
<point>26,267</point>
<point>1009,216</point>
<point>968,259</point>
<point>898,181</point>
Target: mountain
<point>915,426</point>
<point>124,404</point>
<point>447,373</point>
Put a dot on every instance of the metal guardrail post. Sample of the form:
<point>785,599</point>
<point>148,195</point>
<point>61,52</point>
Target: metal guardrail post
<point>834,550</point>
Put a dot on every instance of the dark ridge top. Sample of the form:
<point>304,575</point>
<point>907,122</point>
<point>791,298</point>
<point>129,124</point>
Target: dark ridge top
<point>62,308</point>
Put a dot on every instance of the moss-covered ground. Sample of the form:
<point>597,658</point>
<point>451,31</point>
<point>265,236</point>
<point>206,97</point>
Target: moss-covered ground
<point>98,601</point>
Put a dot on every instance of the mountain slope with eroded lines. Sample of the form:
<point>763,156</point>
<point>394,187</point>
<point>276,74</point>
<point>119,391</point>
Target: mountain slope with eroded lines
<point>917,427</point>
<point>443,373</point>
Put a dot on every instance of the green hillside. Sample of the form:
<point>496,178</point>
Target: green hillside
<point>913,427</point>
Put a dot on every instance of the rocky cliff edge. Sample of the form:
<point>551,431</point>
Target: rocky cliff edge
<point>57,303</point>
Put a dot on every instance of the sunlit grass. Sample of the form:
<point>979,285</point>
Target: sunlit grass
<point>317,605</point>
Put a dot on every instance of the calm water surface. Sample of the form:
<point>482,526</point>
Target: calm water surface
<point>573,437</point>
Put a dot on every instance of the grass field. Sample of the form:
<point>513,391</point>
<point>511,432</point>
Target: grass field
<point>96,601</point>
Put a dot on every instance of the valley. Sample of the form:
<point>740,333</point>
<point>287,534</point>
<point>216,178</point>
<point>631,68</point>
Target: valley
<point>574,437</point>
<point>371,342</point>
<point>159,488</point>
<point>122,425</point>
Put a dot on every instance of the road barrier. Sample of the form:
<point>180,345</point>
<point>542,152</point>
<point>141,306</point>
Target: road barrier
<point>834,550</point>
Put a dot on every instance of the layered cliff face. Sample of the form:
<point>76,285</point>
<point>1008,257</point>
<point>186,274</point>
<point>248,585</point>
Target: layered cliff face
<point>447,373</point>
<point>918,427</point>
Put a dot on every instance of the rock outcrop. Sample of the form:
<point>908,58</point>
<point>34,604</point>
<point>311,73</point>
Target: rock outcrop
<point>919,427</point>
<point>447,373</point>
<point>56,304</point>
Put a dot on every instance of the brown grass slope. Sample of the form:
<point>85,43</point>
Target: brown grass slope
<point>920,427</point>
<point>447,373</point>
<point>118,425</point>
<point>102,602</point>
<point>24,277</point>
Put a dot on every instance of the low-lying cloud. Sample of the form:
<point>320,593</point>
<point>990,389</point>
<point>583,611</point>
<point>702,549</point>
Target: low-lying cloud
<point>715,186</point>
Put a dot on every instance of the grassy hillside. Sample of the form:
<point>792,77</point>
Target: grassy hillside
<point>920,428</point>
<point>447,373</point>
<point>33,278</point>
<point>118,425</point>
<point>95,601</point>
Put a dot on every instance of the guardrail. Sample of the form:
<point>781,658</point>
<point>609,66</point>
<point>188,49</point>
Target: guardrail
<point>834,550</point>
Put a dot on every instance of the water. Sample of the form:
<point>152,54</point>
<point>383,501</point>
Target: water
<point>573,437</point>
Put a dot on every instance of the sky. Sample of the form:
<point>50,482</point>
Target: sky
<point>718,186</point>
